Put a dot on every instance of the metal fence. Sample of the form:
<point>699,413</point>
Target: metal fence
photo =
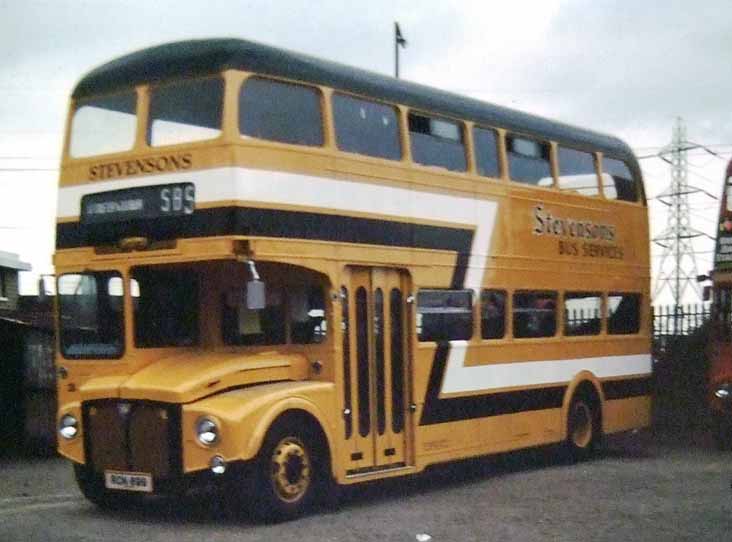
<point>670,320</point>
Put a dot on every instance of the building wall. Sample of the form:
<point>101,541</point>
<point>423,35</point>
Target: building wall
<point>39,391</point>
<point>9,297</point>
<point>12,420</point>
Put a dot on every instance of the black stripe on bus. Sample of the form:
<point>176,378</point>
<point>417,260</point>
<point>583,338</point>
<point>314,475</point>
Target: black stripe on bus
<point>273,223</point>
<point>626,389</point>
<point>438,410</point>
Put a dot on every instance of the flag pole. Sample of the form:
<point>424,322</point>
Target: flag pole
<point>396,50</point>
<point>399,41</point>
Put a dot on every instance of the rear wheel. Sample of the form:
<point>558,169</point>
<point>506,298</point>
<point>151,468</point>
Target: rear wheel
<point>583,428</point>
<point>292,472</point>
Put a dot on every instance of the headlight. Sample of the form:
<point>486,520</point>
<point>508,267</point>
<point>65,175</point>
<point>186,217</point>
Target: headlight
<point>207,431</point>
<point>68,427</point>
<point>724,391</point>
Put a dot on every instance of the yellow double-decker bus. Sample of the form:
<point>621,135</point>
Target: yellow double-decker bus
<point>282,275</point>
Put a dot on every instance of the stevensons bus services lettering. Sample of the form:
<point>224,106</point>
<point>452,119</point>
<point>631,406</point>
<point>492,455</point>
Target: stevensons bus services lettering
<point>545,223</point>
<point>154,164</point>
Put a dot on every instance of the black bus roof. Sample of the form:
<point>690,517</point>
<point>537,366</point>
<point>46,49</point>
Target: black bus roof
<point>205,57</point>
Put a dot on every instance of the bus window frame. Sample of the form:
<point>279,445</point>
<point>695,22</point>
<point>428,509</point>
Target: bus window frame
<point>465,141</point>
<point>500,147</point>
<point>140,94</point>
<point>596,168</point>
<point>326,113</point>
<point>146,119</point>
<point>547,144</point>
<point>331,93</point>
<point>640,198</point>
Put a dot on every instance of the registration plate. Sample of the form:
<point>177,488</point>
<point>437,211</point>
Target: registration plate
<point>129,481</point>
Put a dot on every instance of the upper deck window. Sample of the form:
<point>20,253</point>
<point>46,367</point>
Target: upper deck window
<point>104,125</point>
<point>577,171</point>
<point>437,142</point>
<point>280,111</point>
<point>528,161</point>
<point>486,151</point>
<point>617,180</point>
<point>366,127</point>
<point>185,111</point>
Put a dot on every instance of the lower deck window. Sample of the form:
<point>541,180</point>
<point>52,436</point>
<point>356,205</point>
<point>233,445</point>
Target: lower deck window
<point>534,314</point>
<point>444,315</point>
<point>623,313</point>
<point>582,313</point>
<point>493,314</point>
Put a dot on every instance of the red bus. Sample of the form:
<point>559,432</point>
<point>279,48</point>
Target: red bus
<point>720,351</point>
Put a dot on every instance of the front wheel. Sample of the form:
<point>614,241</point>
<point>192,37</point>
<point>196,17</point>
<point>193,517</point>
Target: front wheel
<point>291,472</point>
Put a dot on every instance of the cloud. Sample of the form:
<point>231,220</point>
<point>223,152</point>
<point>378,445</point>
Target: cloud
<point>618,66</point>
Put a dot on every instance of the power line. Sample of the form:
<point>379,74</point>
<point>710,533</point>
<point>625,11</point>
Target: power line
<point>29,169</point>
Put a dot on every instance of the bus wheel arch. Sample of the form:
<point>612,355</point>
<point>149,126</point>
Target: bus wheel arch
<point>298,408</point>
<point>292,467</point>
<point>582,417</point>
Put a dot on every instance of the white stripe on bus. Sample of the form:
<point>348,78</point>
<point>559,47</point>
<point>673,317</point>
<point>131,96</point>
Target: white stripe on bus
<point>461,379</point>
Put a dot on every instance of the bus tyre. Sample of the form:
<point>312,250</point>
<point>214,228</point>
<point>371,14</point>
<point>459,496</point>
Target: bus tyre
<point>291,472</point>
<point>583,428</point>
<point>92,487</point>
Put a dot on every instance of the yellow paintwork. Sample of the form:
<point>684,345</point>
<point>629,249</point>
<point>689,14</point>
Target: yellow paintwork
<point>200,379</point>
<point>246,415</point>
<point>191,375</point>
<point>627,414</point>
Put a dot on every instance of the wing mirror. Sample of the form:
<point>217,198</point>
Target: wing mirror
<point>256,298</point>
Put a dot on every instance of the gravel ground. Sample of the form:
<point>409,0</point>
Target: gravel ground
<point>657,487</point>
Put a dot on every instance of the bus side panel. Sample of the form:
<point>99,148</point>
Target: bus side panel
<point>627,414</point>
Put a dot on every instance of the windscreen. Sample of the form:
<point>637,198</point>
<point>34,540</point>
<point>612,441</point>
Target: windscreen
<point>91,315</point>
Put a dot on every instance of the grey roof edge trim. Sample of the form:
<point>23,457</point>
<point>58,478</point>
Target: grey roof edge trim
<point>8,260</point>
<point>209,56</point>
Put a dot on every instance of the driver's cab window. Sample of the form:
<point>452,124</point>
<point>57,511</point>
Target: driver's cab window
<point>293,313</point>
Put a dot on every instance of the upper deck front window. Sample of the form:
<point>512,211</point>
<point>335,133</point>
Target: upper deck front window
<point>104,125</point>
<point>280,111</point>
<point>185,111</point>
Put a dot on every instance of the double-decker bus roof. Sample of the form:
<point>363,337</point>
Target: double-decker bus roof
<point>205,57</point>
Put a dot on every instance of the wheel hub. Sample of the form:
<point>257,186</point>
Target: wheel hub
<point>291,469</point>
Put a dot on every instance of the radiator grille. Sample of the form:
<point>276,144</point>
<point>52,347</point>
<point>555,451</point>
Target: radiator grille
<point>133,436</point>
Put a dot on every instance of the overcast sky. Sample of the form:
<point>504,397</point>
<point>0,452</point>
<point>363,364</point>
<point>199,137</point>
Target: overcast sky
<point>625,67</point>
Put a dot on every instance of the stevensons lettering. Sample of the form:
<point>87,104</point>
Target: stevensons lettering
<point>570,230</point>
<point>153,164</point>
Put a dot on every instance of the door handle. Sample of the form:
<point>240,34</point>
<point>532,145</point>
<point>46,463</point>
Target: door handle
<point>412,408</point>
